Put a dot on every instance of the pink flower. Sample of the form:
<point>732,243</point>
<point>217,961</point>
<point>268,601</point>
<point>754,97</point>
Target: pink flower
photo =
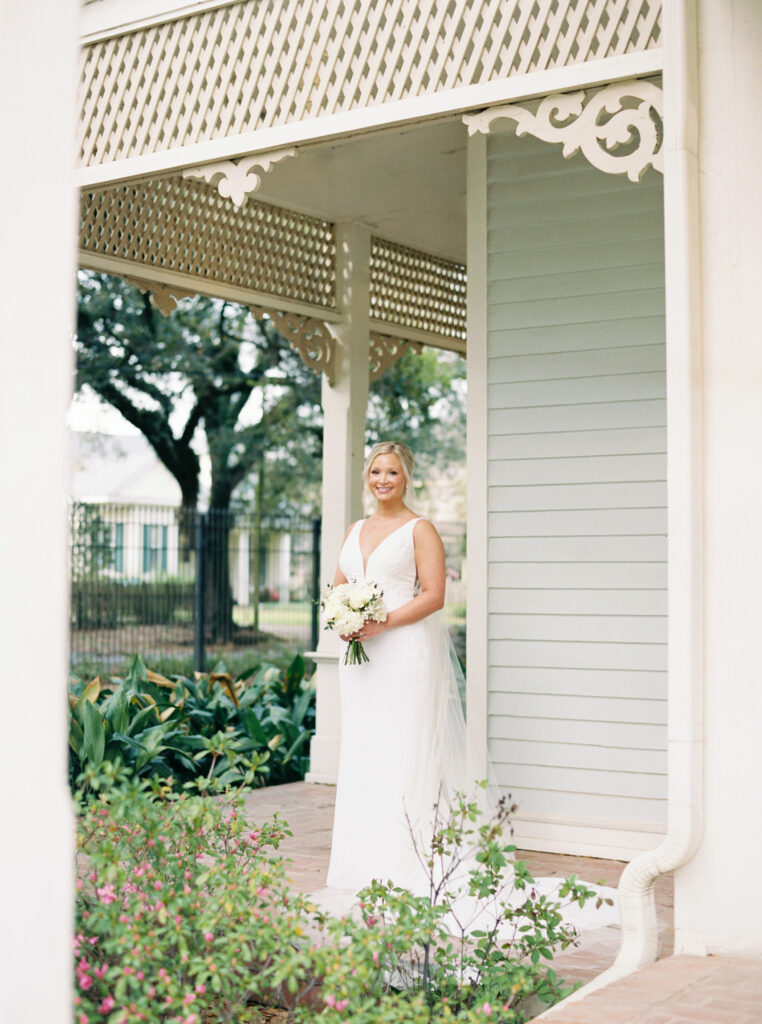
<point>107,1005</point>
<point>140,976</point>
<point>106,894</point>
<point>209,936</point>
<point>188,998</point>
<point>330,1000</point>
<point>375,957</point>
<point>201,989</point>
<point>83,1019</point>
<point>192,1018</point>
<point>101,972</point>
<point>158,885</point>
<point>487,1010</point>
<point>370,921</point>
<point>85,981</point>
<point>342,1005</point>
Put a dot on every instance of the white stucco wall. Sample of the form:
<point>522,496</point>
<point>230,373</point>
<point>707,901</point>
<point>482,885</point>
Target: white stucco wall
<point>718,899</point>
<point>37,234</point>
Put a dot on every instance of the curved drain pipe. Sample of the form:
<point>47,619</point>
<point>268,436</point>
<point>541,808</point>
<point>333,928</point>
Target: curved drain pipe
<point>685,505</point>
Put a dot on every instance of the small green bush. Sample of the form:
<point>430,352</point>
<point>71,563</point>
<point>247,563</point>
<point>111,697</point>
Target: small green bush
<point>102,603</point>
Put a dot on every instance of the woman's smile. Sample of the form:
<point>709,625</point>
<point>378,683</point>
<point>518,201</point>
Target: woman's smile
<point>386,479</point>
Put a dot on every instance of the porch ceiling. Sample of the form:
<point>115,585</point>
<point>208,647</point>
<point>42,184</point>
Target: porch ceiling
<point>408,184</point>
<point>278,250</point>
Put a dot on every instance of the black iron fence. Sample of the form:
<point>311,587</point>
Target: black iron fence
<point>187,587</point>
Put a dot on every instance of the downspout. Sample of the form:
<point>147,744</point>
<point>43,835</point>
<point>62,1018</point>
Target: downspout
<point>685,504</point>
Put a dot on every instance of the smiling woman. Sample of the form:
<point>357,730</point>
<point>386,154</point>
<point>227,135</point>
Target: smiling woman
<point>403,732</point>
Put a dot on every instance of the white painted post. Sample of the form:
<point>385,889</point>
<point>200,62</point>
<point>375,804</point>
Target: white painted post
<point>476,211</point>
<point>710,917</point>
<point>344,410</point>
<point>37,247</point>
<point>284,568</point>
<point>242,574</point>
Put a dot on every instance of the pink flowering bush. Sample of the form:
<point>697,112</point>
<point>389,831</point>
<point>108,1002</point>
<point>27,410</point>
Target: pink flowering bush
<point>185,915</point>
<point>182,906</point>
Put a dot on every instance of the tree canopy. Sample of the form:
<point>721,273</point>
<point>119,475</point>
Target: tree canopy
<point>210,377</point>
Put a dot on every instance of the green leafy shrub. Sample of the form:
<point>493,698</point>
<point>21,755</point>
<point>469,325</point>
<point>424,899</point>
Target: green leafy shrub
<point>213,730</point>
<point>103,603</point>
<point>184,909</point>
<point>477,947</point>
<point>179,908</point>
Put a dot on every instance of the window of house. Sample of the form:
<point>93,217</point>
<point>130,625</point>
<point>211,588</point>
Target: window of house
<point>117,544</point>
<point>154,548</point>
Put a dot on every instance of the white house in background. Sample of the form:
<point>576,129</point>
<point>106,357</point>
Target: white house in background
<point>138,499</point>
<point>120,470</point>
<point>592,165</point>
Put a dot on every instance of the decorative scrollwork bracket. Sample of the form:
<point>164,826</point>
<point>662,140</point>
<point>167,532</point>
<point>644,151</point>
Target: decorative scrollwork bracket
<point>237,179</point>
<point>164,296</point>
<point>307,336</point>
<point>385,350</point>
<point>619,128</point>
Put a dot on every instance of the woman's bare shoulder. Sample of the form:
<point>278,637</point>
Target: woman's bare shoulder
<point>425,531</point>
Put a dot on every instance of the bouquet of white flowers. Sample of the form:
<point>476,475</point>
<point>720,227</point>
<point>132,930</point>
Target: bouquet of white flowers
<point>347,607</point>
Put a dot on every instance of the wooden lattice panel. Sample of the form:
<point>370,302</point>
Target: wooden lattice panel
<point>259,63</point>
<point>416,290</point>
<point>187,227</point>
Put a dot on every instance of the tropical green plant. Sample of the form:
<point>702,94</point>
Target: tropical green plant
<point>213,730</point>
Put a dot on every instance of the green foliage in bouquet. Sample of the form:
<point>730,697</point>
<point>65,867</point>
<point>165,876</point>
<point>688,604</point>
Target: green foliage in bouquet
<point>213,730</point>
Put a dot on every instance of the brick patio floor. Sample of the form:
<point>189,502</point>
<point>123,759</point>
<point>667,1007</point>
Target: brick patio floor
<point>674,990</point>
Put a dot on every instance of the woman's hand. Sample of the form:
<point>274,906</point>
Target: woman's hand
<point>367,632</point>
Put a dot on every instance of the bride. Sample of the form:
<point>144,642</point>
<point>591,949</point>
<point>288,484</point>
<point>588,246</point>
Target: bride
<point>403,733</point>
<point>399,709</point>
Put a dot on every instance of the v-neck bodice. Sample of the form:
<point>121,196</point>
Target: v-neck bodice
<point>391,563</point>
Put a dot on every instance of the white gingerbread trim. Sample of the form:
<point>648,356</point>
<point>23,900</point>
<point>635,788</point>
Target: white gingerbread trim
<point>307,336</point>
<point>163,296</point>
<point>237,179</point>
<point>625,114</point>
<point>386,349</point>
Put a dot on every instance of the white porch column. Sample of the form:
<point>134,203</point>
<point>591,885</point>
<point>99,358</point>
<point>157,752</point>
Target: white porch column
<point>284,568</point>
<point>718,902</point>
<point>243,597</point>
<point>344,411</point>
<point>37,239</point>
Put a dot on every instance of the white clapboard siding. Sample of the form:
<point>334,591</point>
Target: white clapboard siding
<point>602,683</point>
<point>576,497</point>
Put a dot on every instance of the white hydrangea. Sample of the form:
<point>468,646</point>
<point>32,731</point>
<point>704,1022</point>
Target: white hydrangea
<point>347,607</point>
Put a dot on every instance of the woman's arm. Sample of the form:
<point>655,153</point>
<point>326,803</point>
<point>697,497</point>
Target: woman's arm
<point>430,563</point>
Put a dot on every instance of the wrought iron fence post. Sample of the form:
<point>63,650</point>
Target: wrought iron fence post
<point>315,618</point>
<point>199,592</point>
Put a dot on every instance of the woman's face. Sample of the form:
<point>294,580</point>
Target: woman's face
<point>386,479</point>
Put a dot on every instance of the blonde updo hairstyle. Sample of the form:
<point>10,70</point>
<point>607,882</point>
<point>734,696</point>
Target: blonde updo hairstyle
<point>407,462</point>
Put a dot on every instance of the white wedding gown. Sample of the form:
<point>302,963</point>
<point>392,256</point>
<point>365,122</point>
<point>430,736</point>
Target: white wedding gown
<point>403,738</point>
